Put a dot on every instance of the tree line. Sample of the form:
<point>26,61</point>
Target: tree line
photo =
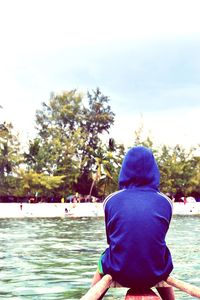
<point>72,153</point>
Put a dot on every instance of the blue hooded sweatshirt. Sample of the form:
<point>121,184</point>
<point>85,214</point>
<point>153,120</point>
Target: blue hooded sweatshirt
<point>137,218</point>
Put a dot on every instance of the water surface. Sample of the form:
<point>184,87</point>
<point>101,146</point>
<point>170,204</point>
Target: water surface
<point>47,259</point>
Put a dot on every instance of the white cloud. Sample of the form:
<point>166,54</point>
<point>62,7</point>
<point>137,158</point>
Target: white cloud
<point>51,45</point>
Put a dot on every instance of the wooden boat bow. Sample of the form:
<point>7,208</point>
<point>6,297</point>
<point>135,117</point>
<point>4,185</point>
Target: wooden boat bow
<point>97,291</point>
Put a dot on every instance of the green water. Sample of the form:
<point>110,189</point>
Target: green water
<point>56,258</point>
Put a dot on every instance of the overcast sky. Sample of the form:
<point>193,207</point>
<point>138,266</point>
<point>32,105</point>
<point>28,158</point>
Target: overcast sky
<point>144,55</point>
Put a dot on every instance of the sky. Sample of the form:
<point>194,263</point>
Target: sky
<point>144,55</point>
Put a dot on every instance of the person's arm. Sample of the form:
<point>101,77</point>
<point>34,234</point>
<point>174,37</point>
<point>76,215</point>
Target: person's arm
<point>166,293</point>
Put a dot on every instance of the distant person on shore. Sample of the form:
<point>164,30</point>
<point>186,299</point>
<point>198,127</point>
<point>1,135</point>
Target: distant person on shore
<point>137,219</point>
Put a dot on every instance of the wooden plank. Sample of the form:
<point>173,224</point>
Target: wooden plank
<point>99,289</point>
<point>188,288</point>
<point>148,295</point>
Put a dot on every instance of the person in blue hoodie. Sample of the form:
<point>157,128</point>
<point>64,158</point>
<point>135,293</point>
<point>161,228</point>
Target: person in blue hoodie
<point>137,219</point>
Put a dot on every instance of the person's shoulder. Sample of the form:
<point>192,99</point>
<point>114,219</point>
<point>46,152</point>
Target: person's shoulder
<point>111,196</point>
<point>166,198</point>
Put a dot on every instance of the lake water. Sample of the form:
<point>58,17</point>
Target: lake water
<point>55,259</point>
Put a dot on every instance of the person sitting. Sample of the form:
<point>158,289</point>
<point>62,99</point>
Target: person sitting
<point>137,218</point>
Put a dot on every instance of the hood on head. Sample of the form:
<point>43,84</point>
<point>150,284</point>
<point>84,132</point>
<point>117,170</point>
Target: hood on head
<point>139,168</point>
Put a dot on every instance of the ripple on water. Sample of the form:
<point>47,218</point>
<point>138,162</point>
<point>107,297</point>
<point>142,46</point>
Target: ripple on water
<point>56,258</point>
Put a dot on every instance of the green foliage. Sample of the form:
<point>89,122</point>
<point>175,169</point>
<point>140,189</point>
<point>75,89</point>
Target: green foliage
<point>31,183</point>
<point>108,162</point>
<point>109,165</point>
<point>178,169</point>
<point>68,154</point>
<point>10,159</point>
<point>97,119</point>
<point>69,137</point>
<point>195,180</point>
<point>54,151</point>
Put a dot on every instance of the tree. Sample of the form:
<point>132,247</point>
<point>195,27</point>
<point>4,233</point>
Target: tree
<point>10,159</point>
<point>69,137</point>
<point>106,167</point>
<point>111,165</point>
<point>177,169</point>
<point>54,150</point>
<point>194,183</point>
<point>32,183</point>
<point>97,120</point>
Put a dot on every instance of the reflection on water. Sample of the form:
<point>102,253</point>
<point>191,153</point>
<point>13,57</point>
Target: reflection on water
<point>56,258</point>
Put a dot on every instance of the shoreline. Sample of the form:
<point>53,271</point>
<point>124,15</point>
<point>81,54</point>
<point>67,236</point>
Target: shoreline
<point>88,209</point>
